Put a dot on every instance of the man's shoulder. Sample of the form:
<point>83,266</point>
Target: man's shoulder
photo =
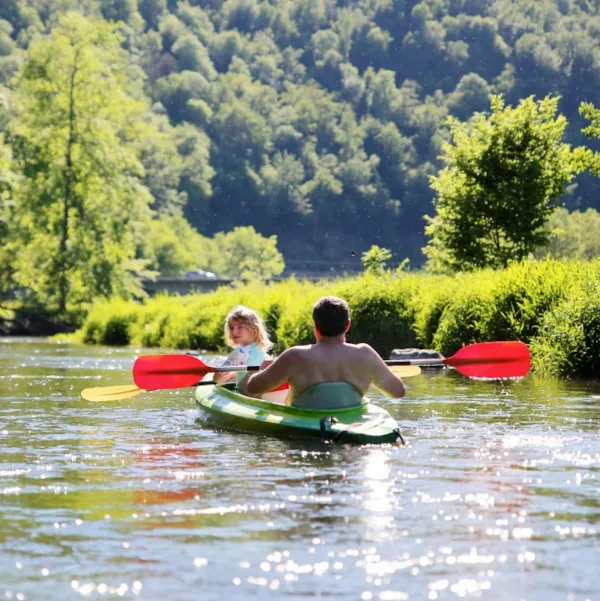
<point>294,351</point>
<point>365,351</point>
<point>363,347</point>
<point>299,349</point>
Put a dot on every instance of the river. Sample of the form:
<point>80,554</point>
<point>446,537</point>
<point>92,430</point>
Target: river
<point>496,496</point>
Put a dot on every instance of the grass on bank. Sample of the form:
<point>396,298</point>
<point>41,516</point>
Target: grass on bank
<point>552,305</point>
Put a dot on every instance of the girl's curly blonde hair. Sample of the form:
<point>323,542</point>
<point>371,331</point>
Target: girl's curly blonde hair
<point>253,321</point>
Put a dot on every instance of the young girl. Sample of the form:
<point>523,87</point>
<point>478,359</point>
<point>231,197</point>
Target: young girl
<point>246,331</point>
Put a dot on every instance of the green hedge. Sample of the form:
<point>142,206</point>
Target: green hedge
<point>568,340</point>
<point>552,305</point>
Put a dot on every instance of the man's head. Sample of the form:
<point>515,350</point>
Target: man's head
<point>331,316</point>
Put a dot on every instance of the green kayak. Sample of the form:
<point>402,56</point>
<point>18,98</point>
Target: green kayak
<point>365,424</point>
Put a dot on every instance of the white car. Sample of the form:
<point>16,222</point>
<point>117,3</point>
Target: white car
<point>199,274</point>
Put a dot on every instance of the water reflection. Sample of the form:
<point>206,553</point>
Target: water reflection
<point>496,497</point>
<point>379,497</point>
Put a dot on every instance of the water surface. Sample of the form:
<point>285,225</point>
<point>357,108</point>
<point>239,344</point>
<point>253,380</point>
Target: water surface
<point>496,497</point>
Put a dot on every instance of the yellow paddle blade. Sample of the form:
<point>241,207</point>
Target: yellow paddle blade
<point>110,393</point>
<point>405,371</point>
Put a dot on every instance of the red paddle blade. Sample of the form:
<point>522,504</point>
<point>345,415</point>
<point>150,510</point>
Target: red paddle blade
<point>160,372</point>
<point>492,360</point>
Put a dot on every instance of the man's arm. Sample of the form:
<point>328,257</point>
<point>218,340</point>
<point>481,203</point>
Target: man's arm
<point>273,376</point>
<point>383,377</point>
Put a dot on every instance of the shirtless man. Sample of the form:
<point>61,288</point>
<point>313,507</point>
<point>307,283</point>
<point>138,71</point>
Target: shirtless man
<point>331,373</point>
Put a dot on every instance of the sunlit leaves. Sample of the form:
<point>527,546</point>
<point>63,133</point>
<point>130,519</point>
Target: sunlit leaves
<point>503,177</point>
<point>573,235</point>
<point>9,245</point>
<point>375,259</point>
<point>244,253</point>
<point>257,81</point>
<point>592,114</point>
<point>75,141</point>
<point>282,180</point>
<point>471,95</point>
<point>171,246</point>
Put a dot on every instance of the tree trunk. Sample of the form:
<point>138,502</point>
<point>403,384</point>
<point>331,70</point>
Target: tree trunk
<point>63,280</point>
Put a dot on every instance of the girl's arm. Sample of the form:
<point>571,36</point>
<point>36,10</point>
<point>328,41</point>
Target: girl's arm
<point>223,376</point>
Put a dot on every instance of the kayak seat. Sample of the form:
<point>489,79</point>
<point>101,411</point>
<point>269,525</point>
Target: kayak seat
<point>329,395</point>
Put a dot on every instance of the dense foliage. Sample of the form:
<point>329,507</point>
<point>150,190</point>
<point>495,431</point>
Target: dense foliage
<point>503,177</point>
<point>74,138</point>
<point>85,211</point>
<point>321,121</point>
<point>573,235</point>
<point>552,305</point>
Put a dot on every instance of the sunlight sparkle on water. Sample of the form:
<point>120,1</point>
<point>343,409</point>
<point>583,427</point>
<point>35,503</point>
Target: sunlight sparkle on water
<point>496,493</point>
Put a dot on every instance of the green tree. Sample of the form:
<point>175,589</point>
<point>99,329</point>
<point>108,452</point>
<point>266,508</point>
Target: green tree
<point>8,244</point>
<point>197,173</point>
<point>121,10</point>
<point>76,142</point>
<point>192,55</point>
<point>152,11</point>
<point>375,259</point>
<point>281,181</point>
<point>244,253</point>
<point>177,91</point>
<point>504,176</point>
<point>196,19</point>
<point>309,16</point>
<point>162,166</point>
<point>172,245</point>
<point>573,235</point>
<point>592,114</point>
<point>471,94</point>
<point>293,70</point>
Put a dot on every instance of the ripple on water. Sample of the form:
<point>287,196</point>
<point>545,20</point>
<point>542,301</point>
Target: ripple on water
<point>496,497</point>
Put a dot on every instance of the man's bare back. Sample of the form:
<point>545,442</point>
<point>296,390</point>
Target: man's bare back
<point>331,359</point>
<point>357,364</point>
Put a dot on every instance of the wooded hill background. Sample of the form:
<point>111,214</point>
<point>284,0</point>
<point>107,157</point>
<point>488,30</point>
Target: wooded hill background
<point>321,120</point>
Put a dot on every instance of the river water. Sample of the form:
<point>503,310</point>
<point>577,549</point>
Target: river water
<point>496,497</point>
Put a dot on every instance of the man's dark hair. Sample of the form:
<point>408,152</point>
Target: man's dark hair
<point>331,315</point>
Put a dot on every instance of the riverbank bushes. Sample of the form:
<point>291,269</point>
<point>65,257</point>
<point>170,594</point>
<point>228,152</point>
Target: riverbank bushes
<point>552,305</point>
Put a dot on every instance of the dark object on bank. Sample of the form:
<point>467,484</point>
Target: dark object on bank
<point>34,322</point>
<point>416,353</point>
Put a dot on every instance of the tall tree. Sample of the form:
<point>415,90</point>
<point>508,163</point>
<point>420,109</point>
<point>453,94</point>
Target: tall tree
<point>244,253</point>
<point>503,177</point>
<point>293,70</point>
<point>592,114</point>
<point>74,140</point>
<point>573,235</point>
<point>8,246</point>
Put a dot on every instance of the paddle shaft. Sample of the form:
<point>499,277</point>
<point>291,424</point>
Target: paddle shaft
<point>451,361</point>
<point>257,368</point>
<point>203,371</point>
<point>490,360</point>
<point>425,362</point>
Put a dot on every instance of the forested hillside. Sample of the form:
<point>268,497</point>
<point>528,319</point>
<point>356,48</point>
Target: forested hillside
<point>321,120</point>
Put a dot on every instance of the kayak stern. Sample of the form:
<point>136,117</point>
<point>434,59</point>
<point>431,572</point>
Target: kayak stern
<point>365,424</point>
